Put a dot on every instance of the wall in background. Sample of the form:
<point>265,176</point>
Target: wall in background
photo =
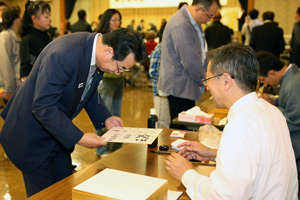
<point>285,11</point>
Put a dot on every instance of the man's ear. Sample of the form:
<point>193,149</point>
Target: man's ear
<point>227,80</point>
<point>109,50</point>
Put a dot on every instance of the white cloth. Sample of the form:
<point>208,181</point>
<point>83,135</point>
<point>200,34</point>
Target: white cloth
<point>255,159</point>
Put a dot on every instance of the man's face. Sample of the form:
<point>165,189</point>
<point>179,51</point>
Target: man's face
<point>202,15</point>
<point>213,86</point>
<point>271,79</point>
<point>117,67</point>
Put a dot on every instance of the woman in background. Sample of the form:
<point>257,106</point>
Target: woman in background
<point>10,51</point>
<point>35,23</point>
<point>111,87</point>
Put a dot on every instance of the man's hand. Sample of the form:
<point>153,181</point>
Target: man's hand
<point>268,99</point>
<point>113,122</point>
<point>91,140</point>
<point>197,151</point>
<point>177,165</point>
<point>7,96</point>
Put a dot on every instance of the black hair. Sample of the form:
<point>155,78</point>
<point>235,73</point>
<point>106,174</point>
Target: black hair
<point>237,60</point>
<point>253,14</point>
<point>32,9</point>
<point>298,10</point>
<point>269,15</point>
<point>267,61</point>
<point>106,17</point>
<point>9,14</point>
<point>206,3</point>
<point>81,14</point>
<point>124,42</point>
<point>2,3</point>
<point>181,4</point>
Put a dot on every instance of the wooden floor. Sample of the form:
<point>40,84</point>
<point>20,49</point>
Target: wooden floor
<point>137,102</point>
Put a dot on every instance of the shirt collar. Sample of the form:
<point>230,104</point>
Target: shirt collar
<point>195,25</point>
<point>240,104</point>
<point>93,60</point>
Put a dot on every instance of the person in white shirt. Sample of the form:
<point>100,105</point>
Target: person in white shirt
<point>250,24</point>
<point>255,159</point>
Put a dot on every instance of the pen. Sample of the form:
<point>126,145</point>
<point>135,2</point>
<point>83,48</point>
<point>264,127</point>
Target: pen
<point>203,163</point>
<point>163,152</point>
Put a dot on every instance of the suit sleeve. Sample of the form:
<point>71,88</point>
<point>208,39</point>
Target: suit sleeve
<point>97,111</point>
<point>52,79</point>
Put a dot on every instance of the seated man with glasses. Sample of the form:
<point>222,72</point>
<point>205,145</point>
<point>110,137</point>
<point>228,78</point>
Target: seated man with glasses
<point>273,72</point>
<point>255,159</point>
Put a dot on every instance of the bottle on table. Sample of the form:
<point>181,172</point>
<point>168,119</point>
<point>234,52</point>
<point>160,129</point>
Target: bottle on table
<point>152,123</point>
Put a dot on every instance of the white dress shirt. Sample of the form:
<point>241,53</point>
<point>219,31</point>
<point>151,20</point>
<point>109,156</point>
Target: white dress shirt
<point>255,159</point>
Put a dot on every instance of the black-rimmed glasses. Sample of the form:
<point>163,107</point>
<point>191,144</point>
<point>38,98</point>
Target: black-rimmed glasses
<point>209,16</point>
<point>124,69</point>
<point>204,81</point>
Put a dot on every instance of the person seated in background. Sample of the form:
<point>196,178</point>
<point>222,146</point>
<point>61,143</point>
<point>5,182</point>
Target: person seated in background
<point>150,43</point>
<point>250,24</point>
<point>10,51</point>
<point>81,24</point>
<point>217,34</point>
<point>131,25</point>
<point>255,158</point>
<point>273,72</point>
<point>152,27</point>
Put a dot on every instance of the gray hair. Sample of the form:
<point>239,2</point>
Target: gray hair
<point>237,60</point>
<point>206,3</point>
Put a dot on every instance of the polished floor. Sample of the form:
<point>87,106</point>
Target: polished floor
<point>137,102</point>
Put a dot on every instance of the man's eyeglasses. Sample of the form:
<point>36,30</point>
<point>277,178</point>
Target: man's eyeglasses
<point>124,69</point>
<point>209,16</point>
<point>204,81</point>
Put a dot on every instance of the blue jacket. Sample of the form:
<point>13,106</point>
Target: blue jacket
<point>39,115</point>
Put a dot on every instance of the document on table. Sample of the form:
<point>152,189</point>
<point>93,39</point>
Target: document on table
<point>131,135</point>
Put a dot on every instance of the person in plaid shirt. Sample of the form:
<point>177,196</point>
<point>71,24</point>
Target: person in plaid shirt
<point>161,102</point>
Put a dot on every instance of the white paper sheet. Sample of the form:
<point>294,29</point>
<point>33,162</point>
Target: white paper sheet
<point>131,135</point>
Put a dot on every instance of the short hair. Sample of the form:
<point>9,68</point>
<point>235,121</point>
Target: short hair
<point>298,10</point>
<point>151,35</point>
<point>106,17</point>
<point>206,3</point>
<point>9,14</point>
<point>81,14</point>
<point>124,42</point>
<point>253,14</point>
<point>181,4</point>
<point>267,62</point>
<point>269,15</point>
<point>237,60</point>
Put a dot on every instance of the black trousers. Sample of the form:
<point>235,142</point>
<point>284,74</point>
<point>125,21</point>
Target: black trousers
<point>178,105</point>
<point>56,167</point>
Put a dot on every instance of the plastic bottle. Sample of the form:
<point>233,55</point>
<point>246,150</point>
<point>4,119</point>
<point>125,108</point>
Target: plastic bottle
<point>152,123</point>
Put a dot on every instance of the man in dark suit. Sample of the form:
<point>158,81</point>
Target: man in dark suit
<point>268,37</point>
<point>295,41</point>
<point>38,134</point>
<point>217,34</point>
<point>81,25</point>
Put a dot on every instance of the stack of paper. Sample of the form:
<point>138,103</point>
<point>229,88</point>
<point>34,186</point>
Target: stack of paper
<point>115,184</point>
